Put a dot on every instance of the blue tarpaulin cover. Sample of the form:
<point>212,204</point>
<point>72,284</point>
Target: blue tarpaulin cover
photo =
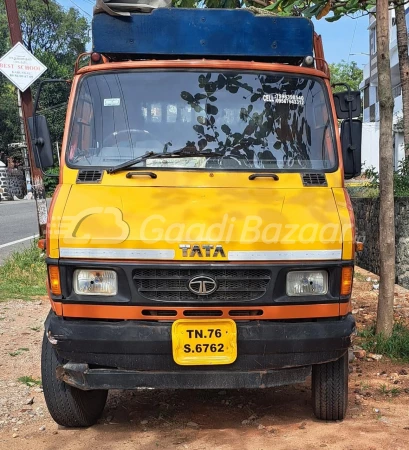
<point>203,33</point>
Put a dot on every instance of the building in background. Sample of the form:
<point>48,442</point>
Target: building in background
<point>369,87</point>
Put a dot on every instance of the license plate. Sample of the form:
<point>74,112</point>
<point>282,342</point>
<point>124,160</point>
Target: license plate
<point>204,342</point>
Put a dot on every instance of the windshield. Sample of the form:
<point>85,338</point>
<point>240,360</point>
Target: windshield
<point>246,121</point>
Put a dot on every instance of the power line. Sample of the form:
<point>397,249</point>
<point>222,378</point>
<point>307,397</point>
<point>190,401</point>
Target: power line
<point>79,7</point>
<point>352,42</point>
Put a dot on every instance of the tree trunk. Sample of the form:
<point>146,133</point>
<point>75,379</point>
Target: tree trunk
<point>402,38</point>
<point>384,322</point>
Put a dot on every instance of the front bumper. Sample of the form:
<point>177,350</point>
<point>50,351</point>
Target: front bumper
<point>132,354</point>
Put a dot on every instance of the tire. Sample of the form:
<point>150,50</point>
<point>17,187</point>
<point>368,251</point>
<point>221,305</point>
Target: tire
<point>68,406</point>
<point>330,389</point>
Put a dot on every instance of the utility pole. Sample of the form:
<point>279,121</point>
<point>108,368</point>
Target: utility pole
<point>27,111</point>
<point>24,149</point>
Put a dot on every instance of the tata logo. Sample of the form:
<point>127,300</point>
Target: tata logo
<point>200,251</point>
<point>202,285</point>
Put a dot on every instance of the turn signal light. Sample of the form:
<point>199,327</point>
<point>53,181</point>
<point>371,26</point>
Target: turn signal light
<point>54,275</point>
<point>359,246</point>
<point>346,281</point>
<point>41,244</point>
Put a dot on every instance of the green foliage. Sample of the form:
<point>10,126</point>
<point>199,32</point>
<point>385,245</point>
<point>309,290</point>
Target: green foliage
<point>19,351</point>
<point>50,183</point>
<point>29,381</point>
<point>400,179</point>
<point>211,3</point>
<point>348,73</point>
<point>9,122</point>
<point>396,347</point>
<point>23,275</point>
<point>363,191</point>
<point>321,8</point>
<point>48,28</point>
<point>56,37</point>
<point>373,176</point>
<point>9,118</point>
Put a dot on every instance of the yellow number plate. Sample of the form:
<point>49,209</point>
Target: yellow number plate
<point>204,342</point>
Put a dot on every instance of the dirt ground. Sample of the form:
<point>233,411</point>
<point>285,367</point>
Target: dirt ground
<point>279,418</point>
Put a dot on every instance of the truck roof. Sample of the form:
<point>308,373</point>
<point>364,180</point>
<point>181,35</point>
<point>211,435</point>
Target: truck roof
<point>169,33</point>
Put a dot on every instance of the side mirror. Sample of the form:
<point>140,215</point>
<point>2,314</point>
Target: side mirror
<point>41,141</point>
<point>348,104</point>
<point>40,134</point>
<point>351,136</point>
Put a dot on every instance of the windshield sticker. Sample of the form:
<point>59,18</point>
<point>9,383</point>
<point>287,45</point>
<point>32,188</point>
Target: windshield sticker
<point>284,98</point>
<point>112,101</point>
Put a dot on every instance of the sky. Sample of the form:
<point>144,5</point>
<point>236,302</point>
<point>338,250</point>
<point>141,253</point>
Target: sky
<point>340,38</point>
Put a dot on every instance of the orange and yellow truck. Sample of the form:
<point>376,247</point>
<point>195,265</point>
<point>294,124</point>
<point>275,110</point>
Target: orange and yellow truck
<point>200,235</point>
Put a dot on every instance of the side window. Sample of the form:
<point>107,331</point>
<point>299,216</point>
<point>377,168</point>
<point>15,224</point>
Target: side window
<point>81,139</point>
<point>372,39</point>
<point>85,124</point>
<point>171,113</point>
<point>156,112</point>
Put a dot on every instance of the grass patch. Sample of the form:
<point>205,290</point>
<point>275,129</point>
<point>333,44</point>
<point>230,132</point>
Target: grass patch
<point>36,328</point>
<point>359,276</point>
<point>23,274</point>
<point>365,386</point>
<point>395,347</point>
<point>29,381</point>
<point>394,392</point>
<point>363,191</point>
<point>19,351</point>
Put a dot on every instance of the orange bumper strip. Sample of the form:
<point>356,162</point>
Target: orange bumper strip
<point>142,312</point>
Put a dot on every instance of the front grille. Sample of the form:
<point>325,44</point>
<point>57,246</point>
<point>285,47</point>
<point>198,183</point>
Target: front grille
<point>171,285</point>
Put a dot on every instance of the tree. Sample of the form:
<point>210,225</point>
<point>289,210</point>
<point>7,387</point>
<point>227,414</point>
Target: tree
<point>48,28</point>
<point>56,37</point>
<point>319,8</point>
<point>9,119</point>
<point>402,39</point>
<point>339,8</point>
<point>348,73</point>
<point>384,323</point>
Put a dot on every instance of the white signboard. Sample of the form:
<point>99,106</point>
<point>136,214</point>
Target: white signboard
<point>21,67</point>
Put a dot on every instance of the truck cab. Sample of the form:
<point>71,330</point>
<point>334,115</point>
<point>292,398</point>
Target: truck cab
<point>200,235</point>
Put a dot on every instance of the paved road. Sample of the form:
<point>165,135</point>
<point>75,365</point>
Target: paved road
<point>17,221</point>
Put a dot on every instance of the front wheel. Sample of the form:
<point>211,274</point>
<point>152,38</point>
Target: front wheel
<point>330,389</point>
<point>68,406</point>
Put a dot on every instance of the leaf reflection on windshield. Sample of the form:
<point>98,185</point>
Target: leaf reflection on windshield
<point>290,128</point>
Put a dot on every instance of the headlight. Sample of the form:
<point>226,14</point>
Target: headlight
<point>95,282</point>
<point>307,282</point>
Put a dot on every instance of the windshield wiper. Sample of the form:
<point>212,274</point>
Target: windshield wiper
<point>130,163</point>
<point>182,152</point>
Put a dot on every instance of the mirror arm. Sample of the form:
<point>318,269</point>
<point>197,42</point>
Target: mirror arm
<point>349,99</point>
<point>39,141</point>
